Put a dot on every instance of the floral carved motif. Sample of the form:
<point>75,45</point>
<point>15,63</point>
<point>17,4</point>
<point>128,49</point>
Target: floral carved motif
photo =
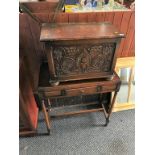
<point>83,59</point>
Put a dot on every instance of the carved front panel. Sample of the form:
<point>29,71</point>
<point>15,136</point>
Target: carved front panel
<point>78,59</point>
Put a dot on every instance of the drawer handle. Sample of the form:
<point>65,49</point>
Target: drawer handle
<point>98,88</point>
<point>82,91</point>
<point>63,92</point>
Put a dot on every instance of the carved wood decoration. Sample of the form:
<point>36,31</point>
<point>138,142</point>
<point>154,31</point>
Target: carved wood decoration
<point>80,51</point>
<point>74,60</point>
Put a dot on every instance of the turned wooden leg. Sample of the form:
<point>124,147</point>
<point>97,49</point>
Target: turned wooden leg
<point>110,108</point>
<point>46,116</point>
<point>112,104</point>
<point>129,84</point>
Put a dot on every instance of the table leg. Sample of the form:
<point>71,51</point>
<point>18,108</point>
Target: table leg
<point>107,122</point>
<point>46,116</point>
<point>110,108</point>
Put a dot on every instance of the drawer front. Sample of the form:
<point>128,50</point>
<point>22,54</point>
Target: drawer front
<point>80,91</point>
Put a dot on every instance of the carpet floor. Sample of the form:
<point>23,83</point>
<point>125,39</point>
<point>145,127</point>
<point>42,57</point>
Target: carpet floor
<point>84,135</point>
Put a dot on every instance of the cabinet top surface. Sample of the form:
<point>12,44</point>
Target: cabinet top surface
<point>76,31</point>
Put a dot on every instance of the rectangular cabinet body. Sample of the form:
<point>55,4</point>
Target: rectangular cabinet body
<point>80,51</point>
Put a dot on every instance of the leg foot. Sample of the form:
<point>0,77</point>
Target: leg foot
<point>107,122</point>
<point>48,130</point>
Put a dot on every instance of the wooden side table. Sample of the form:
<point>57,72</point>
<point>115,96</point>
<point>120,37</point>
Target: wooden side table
<point>46,92</point>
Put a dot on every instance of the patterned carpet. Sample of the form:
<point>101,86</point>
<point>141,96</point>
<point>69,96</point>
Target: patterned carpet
<point>84,135</point>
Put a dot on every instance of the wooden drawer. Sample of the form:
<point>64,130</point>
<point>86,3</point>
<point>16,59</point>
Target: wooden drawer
<point>80,91</point>
<point>75,88</point>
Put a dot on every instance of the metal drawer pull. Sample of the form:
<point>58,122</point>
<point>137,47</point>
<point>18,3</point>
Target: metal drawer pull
<point>98,88</point>
<point>82,91</point>
<point>63,92</point>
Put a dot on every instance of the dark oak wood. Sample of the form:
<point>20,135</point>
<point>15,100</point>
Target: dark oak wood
<point>35,50</point>
<point>56,32</point>
<point>46,115</point>
<point>44,85</point>
<point>78,112</point>
<point>39,52</point>
<point>79,88</point>
<point>82,55</point>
